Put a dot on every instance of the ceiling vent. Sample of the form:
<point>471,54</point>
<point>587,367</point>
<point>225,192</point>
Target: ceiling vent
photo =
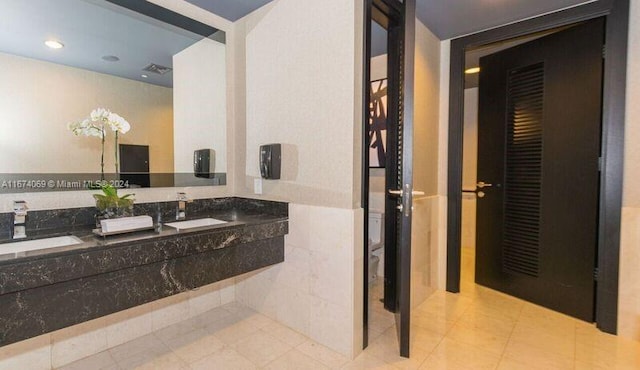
<point>157,69</point>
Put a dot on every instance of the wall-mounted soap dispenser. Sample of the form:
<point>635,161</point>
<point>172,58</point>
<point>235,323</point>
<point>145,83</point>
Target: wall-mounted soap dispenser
<point>204,161</point>
<point>270,161</point>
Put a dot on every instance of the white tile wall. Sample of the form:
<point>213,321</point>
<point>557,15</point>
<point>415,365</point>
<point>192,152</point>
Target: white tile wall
<point>318,289</point>
<point>70,344</point>
<point>629,293</point>
<point>424,232</point>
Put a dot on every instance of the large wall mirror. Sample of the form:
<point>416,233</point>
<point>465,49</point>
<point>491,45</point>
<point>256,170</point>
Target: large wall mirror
<point>161,75</point>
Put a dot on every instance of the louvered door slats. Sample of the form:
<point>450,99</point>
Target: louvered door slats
<point>523,176</point>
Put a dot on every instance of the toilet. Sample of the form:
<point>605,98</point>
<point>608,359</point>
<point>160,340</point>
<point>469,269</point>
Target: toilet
<point>376,242</point>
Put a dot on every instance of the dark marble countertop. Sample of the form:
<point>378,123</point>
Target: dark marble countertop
<point>49,289</point>
<point>236,220</point>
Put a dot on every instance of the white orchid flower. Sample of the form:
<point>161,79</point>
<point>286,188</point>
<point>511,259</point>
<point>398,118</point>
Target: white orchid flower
<point>100,114</point>
<point>96,125</point>
<point>118,124</point>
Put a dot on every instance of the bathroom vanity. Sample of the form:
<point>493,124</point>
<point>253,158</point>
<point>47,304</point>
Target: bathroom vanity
<point>48,289</point>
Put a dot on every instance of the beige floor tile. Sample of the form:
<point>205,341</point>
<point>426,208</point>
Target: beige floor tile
<point>366,361</point>
<point>381,321</point>
<point>452,355</point>
<point>598,349</point>
<point>590,366</point>
<point>469,289</point>
<point>500,326</point>
<point>99,361</point>
<point>507,363</point>
<point>166,361</point>
<point>194,345</point>
<point>423,339</point>
<point>210,317</point>
<point>445,305</point>
<point>238,309</point>
<point>295,360</point>
<point>545,315</point>
<point>261,348</point>
<point>374,334</point>
<point>391,355</point>
<point>224,359</point>
<point>325,355</point>
<point>140,348</point>
<point>560,341</point>
<point>488,340</point>
<point>175,330</point>
<point>433,323</point>
<point>509,311</point>
<point>258,320</point>
<point>231,332</point>
<point>535,357</point>
<point>285,334</point>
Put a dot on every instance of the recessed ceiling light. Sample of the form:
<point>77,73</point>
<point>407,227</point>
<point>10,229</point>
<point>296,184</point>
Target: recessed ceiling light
<point>110,58</point>
<point>471,71</point>
<point>53,44</point>
<point>144,76</point>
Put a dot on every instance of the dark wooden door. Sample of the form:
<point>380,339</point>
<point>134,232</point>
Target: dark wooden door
<point>538,169</point>
<point>134,165</point>
<point>399,21</point>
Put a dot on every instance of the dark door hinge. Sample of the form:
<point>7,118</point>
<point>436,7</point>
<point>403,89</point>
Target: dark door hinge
<point>604,51</point>
<point>596,273</point>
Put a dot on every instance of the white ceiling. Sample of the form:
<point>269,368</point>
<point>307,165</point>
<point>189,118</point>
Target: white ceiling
<point>454,18</point>
<point>446,18</point>
<point>230,9</point>
<point>91,29</point>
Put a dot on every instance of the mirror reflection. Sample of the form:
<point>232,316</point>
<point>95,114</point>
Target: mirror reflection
<point>93,90</point>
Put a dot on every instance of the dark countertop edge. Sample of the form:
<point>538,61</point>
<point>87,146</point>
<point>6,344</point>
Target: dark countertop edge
<point>94,242</point>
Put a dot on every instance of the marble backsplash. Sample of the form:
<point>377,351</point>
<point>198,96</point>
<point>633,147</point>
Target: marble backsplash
<point>70,219</point>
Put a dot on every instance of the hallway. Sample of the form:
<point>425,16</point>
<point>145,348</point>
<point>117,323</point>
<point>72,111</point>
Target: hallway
<point>484,329</point>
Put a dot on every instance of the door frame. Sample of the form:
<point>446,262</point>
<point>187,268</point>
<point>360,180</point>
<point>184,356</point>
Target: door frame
<point>616,13</point>
<point>400,62</point>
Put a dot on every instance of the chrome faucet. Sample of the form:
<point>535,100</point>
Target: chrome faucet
<point>181,211</point>
<point>19,219</point>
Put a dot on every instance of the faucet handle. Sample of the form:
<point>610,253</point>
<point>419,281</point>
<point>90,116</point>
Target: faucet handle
<point>20,207</point>
<point>182,196</point>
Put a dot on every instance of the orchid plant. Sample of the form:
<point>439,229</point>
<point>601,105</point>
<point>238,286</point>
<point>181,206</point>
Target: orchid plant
<point>101,121</point>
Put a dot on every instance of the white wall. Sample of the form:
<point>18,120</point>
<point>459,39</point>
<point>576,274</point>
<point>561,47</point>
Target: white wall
<point>300,84</point>
<point>424,235</point>
<point>303,87</point>
<point>469,167</point>
<point>629,291</point>
<point>317,291</point>
<point>199,89</point>
<point>40,98</point>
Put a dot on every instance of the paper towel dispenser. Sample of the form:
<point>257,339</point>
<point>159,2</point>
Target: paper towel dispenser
<point>204,161</point>
<point>270,161</point>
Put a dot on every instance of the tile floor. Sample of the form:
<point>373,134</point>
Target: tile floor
<point>477,329</point>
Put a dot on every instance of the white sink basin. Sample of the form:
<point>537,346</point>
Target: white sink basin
<point>33,245</point>
<point>192,224</point>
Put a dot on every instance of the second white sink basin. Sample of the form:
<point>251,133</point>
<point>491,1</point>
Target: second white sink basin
<point>33,245</point>
<point>191,224</point>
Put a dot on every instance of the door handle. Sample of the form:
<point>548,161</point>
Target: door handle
<point>401,192</point>
<point>482,185</point>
